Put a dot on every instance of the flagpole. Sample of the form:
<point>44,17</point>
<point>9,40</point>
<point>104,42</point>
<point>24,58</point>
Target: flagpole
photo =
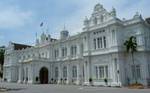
<point>41,26</point>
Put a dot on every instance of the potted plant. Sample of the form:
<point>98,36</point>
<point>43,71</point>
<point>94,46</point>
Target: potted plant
<point>52,80</point>
<point>106,81</point>
<point>37,79</point>
<point>91,81</point>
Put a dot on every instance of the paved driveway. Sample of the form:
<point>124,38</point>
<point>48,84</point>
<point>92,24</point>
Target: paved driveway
<point>22,88</point>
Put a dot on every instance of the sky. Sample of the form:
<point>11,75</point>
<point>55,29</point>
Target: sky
<point>20,19</point>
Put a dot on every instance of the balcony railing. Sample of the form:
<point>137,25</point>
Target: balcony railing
<point>33,59</point>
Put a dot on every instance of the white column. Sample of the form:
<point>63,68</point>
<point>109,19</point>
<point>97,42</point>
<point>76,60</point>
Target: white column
<point>50,73</point>
<point>24,75</point>
<point>78,75</point>
<point>60,73</point>
<point>96,43</point>
<point>4,73</point>
<point>86,67</point>
<point>144,71</point>
<point>20,75</point>
<point>30,79</point>
<point>68,74</point>
<point>33,78</point>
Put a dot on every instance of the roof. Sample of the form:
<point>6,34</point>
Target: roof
<point>2,47</point>
<point>148,20</point>
<point>20,46</point>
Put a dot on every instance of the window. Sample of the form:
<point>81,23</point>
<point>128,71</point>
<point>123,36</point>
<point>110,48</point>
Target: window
<point>56,53</point>
<point>28,56</point>
<point>101,44</point>
<point>102,18</point>
<point>133,71</point>
<point>104,38</point>
<point>26,74</point>
<point>33,55</point>
<point>136,71</point>
<point>95,21</point>
<point>65,72</point>
<point>74,72</point>
<point>98,42</point>
<point>94,43</point>
<point>24,57</point>
<point>113,36</point>
<point>106,70</point>
<point>85,38</point>
<point>64,51</point>
<point>96,72</point>
<point>101,72</point>
<point>73,50</point>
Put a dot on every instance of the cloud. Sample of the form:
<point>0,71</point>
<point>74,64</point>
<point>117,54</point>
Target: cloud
<point>1,37</point>
<point>13,17</point>
<point>124,8</point>
<point>16,14</point>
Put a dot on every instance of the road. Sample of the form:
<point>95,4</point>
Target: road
<point>48,88</point>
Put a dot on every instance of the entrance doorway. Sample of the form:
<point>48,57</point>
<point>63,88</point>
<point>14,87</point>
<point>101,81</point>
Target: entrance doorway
<point>43,75</point>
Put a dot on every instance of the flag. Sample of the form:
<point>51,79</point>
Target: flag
<point>41,24</point>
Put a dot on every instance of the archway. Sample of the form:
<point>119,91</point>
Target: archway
<point>43,75</point>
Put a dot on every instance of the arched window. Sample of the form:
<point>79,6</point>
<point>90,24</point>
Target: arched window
<point>94,43</point>
<point>65,72</point>
<point>64,51</point>
<point>104,38</point>
<point>74,71</point>
<point>73,50</point>
<point>95,21</point>
<point>56,53</point>
<point>27,74</point>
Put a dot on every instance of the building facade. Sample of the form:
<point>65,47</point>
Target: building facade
<point>97,53</point>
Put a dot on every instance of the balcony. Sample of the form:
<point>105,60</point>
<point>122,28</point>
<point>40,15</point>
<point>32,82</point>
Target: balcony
<point>33,59</point>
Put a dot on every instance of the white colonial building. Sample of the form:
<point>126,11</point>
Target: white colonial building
<point>98,52</point>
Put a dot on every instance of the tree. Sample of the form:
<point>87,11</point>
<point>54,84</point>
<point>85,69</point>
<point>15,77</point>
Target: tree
<point>2,56</point>
<point>2,51</point>
<point>131,47</point>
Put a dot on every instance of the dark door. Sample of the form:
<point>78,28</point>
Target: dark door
<point>44,75</point>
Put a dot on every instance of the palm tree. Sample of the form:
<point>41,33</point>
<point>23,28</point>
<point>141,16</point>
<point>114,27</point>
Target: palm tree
<point>131,47</point>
